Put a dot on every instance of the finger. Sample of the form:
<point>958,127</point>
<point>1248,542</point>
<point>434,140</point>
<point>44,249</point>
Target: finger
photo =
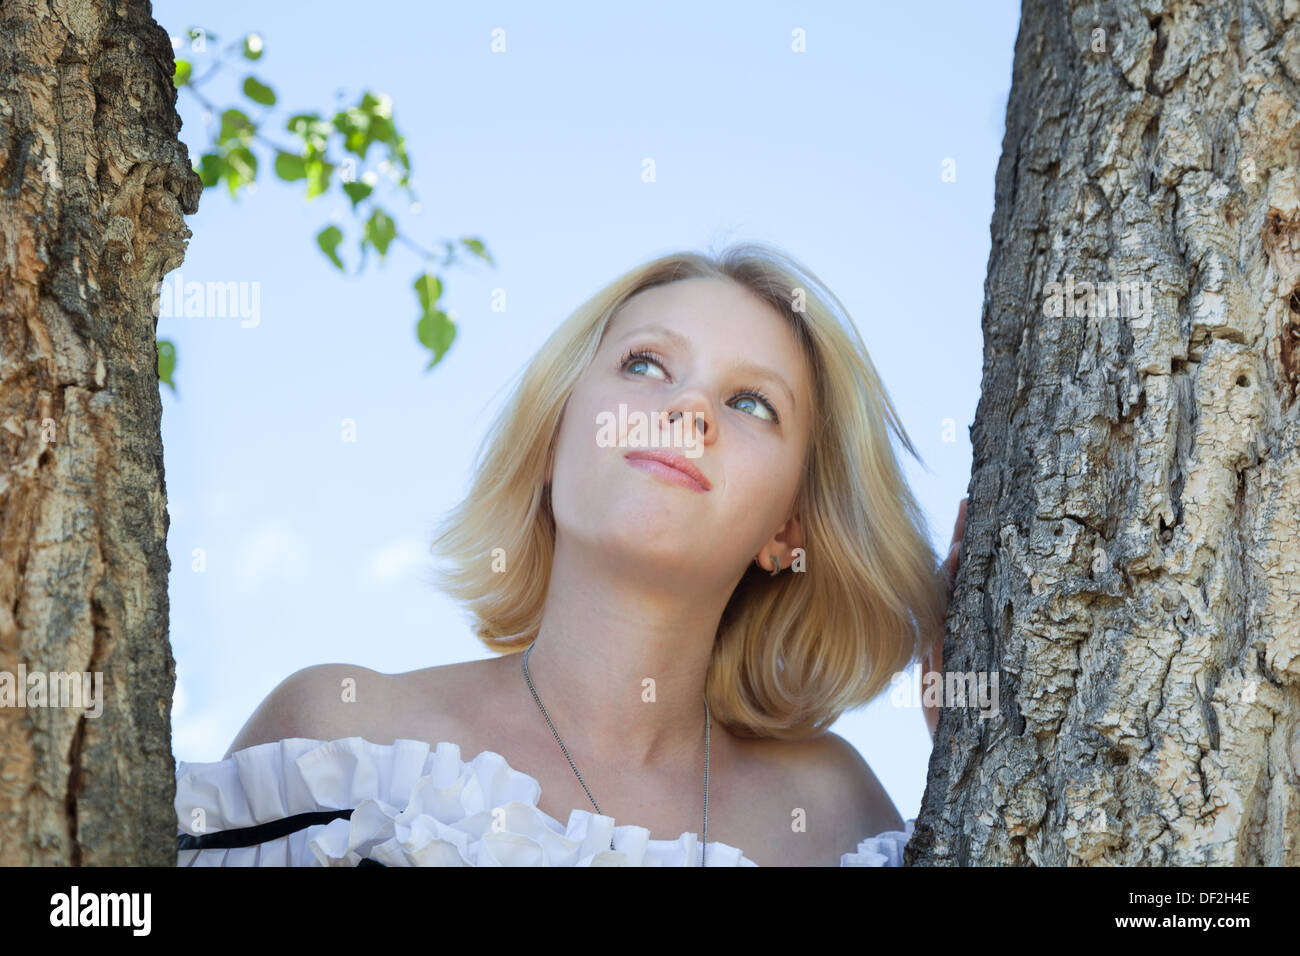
<point>932,662</point>
<point>960,527</point>
<point>949,569</point>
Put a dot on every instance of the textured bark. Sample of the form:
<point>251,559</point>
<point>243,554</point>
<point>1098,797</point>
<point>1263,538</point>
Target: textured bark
<point>93,185</point>
<point>1129,568</point>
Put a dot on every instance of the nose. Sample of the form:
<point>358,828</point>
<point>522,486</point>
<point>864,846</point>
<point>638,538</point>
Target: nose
<point>703,423</point>
<point>699,414</point>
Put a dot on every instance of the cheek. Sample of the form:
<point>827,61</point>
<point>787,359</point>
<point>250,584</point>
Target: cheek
<point>577,487</point>
<point>572,449</point>
<point>745,493</point>
<point>759,492</point>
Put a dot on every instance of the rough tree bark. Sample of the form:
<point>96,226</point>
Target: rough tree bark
<point>1130,561</point>
<point>93,187</point>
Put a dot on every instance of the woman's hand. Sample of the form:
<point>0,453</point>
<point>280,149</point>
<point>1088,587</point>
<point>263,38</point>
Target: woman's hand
<point>934,661</point>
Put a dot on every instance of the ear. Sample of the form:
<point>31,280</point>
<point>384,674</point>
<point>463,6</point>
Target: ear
<point>782,544</point>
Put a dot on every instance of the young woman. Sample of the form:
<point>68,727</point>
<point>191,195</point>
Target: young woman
<point>690,548</point>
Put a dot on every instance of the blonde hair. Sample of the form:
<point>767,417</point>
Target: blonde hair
<point>794,651</point>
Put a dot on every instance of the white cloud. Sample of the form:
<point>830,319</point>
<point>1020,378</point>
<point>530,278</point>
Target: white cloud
<point>274,551</point>
<point>398,559</point>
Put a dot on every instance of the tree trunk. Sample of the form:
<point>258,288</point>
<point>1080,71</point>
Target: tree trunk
<point>93,185</point>
<point>1129,569</point>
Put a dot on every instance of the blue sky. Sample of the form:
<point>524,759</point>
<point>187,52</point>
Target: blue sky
<point>314,549</point>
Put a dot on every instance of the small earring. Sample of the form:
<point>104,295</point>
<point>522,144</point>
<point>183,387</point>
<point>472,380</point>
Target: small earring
<point>777,563</point>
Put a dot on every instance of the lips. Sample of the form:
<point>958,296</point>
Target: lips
<point>670,466</point>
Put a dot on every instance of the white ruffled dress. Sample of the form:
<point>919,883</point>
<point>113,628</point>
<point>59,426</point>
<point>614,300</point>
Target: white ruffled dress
<point>351,802</point>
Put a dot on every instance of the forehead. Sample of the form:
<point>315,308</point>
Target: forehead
<point>709,313</point>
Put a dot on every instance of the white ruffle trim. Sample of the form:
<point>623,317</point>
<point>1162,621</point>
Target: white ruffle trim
<point>884,849</point>
<point>419,807</point>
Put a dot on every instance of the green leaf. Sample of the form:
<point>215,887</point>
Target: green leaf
<point>166,363</point>
<point>258,92</point>
<point>236,127</point>
<point>318,176</point>
<point>301,122</point>
<point>328,239</point>
<point>241,168</point>
<point>476,246</point>
<point>356,142</point>
<point>253,46</point>
<point>380,231</point>
<point>381,128</point>
<point>184,69</point>
<point>289,167</point>
<point>371,121</point>
<point>436,331</point>
<point>313,130</point>
<point>211,167</point>
<point>357,191</point>
<point>429,289</point>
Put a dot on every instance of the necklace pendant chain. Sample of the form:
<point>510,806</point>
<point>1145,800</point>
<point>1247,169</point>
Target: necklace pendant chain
<point>707,721</point>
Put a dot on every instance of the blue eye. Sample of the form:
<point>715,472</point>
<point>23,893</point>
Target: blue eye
<point>643,356</point>
<point>636,356</point>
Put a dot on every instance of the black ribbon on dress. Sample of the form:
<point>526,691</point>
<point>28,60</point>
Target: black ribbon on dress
<point>251,836</point>
<point>262,832</point>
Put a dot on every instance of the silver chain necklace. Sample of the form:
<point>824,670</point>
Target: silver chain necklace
<point>707,721</point>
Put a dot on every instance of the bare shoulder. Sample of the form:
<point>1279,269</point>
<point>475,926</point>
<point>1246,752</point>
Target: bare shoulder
<point>320,702</point>
<point>458,702</point>
<point>851,789</point>
<point>444,692</point>
<point>443,679</point>
<point>845,802</point>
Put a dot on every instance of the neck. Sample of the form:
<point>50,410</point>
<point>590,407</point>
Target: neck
<point>620,662</point>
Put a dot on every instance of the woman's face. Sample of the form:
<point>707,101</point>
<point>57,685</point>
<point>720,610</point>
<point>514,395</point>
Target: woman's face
<point>635,518</point>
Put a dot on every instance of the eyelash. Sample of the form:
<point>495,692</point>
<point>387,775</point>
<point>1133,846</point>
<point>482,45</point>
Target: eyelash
<point>649,356</point>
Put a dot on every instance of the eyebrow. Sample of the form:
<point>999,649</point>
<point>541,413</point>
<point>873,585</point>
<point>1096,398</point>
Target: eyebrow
<point>744,368</point>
